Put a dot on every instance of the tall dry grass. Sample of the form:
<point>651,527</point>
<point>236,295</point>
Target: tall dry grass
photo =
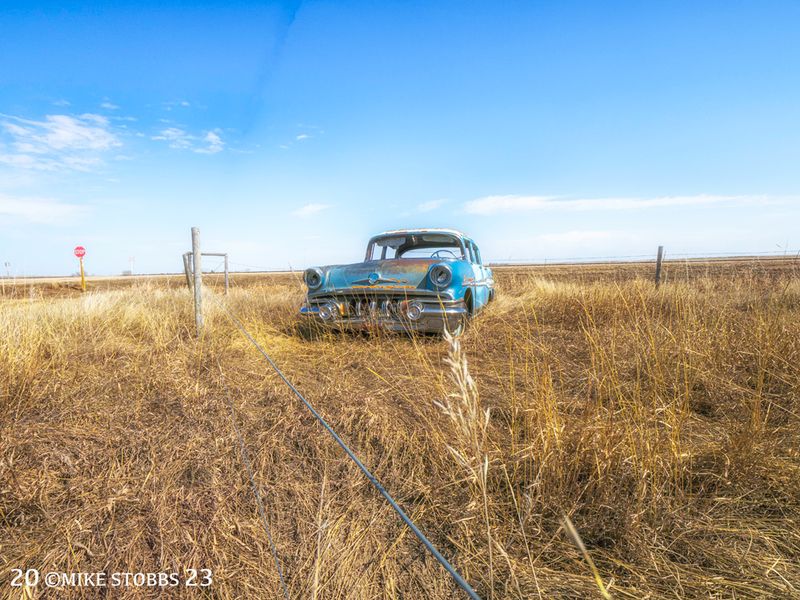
<point>664,423</point>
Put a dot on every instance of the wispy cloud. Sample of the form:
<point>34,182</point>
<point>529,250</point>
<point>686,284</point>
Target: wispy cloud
<point>62,132</point>
<point>176,137</point>
<point>108,105</point>
<point>431,205</point>
<point>175,104</point>
<point>57,142</point>
<point>310,210</point>
<point>209,143</point>
<point>576,237</point>
<point>307,132</point>
<point>574,244</point>
<point>489,205</point>
<point>39,210</point>
<point>213,145</point>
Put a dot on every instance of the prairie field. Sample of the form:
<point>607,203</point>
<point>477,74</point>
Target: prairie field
<point>664,422</point>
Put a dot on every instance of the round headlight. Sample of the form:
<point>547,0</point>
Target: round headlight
<point>441,275</point>
<point>313,278</point>
<point>328,311</point>
<point>412,310</point>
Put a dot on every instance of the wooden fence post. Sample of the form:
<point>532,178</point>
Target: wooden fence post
<point>659,258</point>
<point>226,274</point>
<point>198,281</point>
<point>187,269</point>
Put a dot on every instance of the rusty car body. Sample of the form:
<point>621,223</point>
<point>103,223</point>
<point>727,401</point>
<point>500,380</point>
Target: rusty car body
<point>427,280</point>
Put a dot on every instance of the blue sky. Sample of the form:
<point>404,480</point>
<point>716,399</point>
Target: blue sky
<point>291,132</point>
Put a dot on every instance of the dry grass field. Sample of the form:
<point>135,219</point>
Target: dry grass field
<point>664,422</point>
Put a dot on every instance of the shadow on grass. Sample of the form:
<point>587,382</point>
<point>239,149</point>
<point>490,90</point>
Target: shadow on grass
<point>313,332</point>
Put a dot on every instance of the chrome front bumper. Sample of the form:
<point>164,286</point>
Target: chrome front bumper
<point>433,318</point>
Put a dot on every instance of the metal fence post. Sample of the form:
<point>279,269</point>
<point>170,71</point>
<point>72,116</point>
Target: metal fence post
<point>198,280</point>
<point>659,258</point>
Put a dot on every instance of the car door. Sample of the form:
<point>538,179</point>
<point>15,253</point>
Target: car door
<point>487,276</point>
<point>480,290</point>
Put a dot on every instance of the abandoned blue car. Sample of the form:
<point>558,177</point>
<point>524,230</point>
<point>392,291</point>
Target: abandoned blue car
<point>424,280</point>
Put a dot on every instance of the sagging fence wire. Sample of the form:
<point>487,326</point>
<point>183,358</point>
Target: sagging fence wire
<point>253,486</point>
<point>691,257</point>
<point>457,578</point>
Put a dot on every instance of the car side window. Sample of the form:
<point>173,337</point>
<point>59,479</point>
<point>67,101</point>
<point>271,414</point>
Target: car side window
<point>474,255</point>
<point>477,254</point>
<point>470,251</point>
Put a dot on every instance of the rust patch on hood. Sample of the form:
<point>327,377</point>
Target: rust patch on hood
<point>382,274</point>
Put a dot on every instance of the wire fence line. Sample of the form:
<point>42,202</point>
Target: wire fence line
<point>622,258</point>
<point>246,460</point>
<point>668,256</point>
<point>457,578</point>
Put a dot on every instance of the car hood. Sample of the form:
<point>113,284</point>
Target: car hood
<point>401,274</point>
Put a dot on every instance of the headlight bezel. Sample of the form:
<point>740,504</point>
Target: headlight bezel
<point>440,276</point>
<point>329,311</point>
<point>313,277</point>
<point>413,310</point>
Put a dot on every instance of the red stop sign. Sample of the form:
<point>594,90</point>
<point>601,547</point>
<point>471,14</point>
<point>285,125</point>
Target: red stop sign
<point>80,251</point>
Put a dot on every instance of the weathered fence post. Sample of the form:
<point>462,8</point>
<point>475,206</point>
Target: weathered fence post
<point>226,274</point>
<point>659,258</point>
<point>187,269</point>
<point>198,280</point>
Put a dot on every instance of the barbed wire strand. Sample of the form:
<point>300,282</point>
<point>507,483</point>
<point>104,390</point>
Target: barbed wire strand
<point>691,256</point>
<point>460,581</point>
<point>635,258</point>
<point>253,486</point>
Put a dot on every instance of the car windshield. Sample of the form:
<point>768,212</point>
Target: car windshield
<point>441,246</point>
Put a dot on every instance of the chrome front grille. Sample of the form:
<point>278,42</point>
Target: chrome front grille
<point>362,308</point>
<point>424,312</point>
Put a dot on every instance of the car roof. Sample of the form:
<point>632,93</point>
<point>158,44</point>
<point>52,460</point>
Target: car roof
<point>423,230</point>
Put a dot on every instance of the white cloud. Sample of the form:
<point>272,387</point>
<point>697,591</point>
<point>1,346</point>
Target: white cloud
<point>25,161</point>
<point>431,205</point>
<point>576,237</point>
<point>573,245</point>
<point>176,137</point>
<point>309,210</point>
<point>311,131</point>
<point>214,144</point>
<point>172,104</point>
<point>39,210</point>
<point>108,105</point>
<point>210,143</point>
<point>489,205</point>
<point>81,163</point>
<point>57,142</point>
<point>62,132</point>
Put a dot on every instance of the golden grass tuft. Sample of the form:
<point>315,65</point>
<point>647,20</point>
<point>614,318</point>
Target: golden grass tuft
<point>663,423</point>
